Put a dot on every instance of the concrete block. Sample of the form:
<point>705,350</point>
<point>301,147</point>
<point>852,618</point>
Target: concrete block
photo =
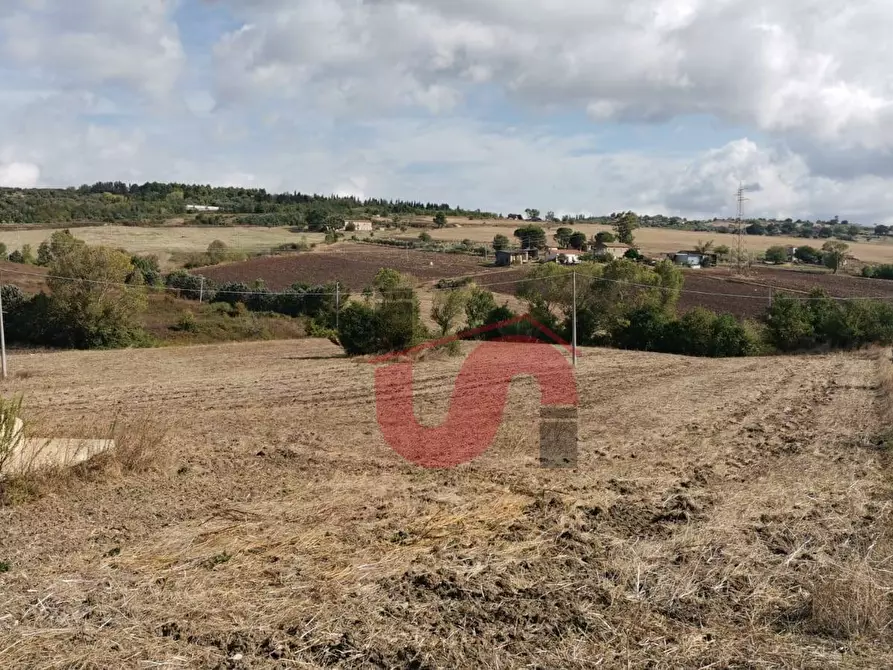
<point>34,453</point>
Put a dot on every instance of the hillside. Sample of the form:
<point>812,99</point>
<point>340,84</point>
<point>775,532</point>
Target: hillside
<point>721,513</point>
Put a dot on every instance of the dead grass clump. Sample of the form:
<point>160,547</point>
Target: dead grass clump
<point>139,448</point>
<point>139,442</point>
<point>885,380</point>
<point>10,432</point>
<point>850,602</point>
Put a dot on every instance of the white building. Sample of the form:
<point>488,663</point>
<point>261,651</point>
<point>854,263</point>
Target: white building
<point>564,256</point>
<point>358,226</point>
<point>201,208</point>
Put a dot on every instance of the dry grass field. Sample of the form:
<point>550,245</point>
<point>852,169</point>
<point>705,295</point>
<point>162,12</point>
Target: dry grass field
<point>661,240</point>
<point>725,513</point>
<point>166,240</point>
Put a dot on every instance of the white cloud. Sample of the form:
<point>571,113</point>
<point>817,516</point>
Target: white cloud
<point>94,42</point>
<point>19,175</point>
<point>380,99</point>
<point>798,67</point>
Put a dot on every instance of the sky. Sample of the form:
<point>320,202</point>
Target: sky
<point>574,106</point>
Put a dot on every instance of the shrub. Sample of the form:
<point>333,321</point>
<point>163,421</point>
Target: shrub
<point>358,330</point>
<point>188,285</point>
<point>777,255</point>
<point>187,323</point>
<point>97,312</point>
<point>878,271</point>
<point>646,329</point>
<point>807,254</point>
<point>389,321</point>
<point>789,324</point>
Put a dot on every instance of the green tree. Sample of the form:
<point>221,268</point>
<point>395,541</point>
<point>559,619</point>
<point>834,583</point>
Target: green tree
<point>605,237</point>
<point>425,237</point>
<point>789,324</point>
<point>777,254</point>
<point>808,254</point>
<point>500,242</point>
<point>316,220</point>
<point>881,230</point>
<point>217,252</point>
<point>532,213</point>
<point>550,217</point>
<point>532,237</point>
<point>563,237</point>
<point>95,309</point>
<point>358,329</point>
<point>577,240</point>
<point>440,220</point>
<point>624,224</point>
<point>478,306</point>
<point>723,252</point>
<point>447,308</point>
<point>834,254</point>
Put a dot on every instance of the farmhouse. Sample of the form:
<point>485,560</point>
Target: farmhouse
<point>201,208</point>
<point>359,226</point>
<point>614,250</point>
<point>512,257</point>
<point>563,256</point>
<point>693,259</point>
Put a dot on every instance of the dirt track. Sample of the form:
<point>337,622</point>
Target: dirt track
<point>712,496</point>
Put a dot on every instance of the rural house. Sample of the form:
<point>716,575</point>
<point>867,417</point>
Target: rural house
<point>614,249</point>
<point>512,257</point>
<point>693,259</point>
<point>358,226</point>
<point>201,208</point>
<point>563,256</point>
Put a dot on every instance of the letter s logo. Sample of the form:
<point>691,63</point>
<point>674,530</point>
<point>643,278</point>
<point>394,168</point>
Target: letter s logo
<point>477,402</point>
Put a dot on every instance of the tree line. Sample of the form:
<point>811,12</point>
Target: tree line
<point>120,202</point>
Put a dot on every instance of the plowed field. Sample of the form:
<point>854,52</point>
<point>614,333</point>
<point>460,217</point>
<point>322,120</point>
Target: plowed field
<point>724,512</point>
<point>353,265</point>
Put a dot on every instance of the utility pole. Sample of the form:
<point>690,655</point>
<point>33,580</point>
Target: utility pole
<point>574,329</point>
<point>201,291</point>
<point>740,227</point>
<point>2,332</point>
<point>337,304</point>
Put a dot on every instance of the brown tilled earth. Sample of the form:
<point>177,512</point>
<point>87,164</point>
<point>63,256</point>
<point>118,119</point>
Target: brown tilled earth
<point>749,296</point>
<point>725,513</point>
<point>354,265</point>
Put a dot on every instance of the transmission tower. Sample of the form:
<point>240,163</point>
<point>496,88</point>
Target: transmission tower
<point>741,266</point>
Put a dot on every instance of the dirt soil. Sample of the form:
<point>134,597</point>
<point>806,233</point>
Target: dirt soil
<point>354,265</point>
<point>715,504</point>
<point>749,296</point>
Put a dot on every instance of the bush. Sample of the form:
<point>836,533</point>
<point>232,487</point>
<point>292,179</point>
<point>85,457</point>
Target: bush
<point>358,330</point>
<point>645,330</point>
<point>187,323</point>
<point>97,312</point>
<point>189,285</point>
<point>390,321</point>
<point>807,254</point>
<point>878,271</point>
<point>789,324</point>
<point>777,255</point>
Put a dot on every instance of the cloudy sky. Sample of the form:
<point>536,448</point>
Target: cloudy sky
<point>660,106</point>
